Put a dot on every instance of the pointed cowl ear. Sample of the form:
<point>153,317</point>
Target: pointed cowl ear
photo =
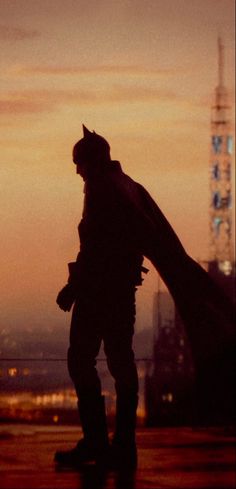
<point>86,132</point>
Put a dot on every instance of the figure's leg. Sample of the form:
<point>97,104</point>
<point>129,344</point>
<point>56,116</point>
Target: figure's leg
<point>85,342</point>
<point>123,369</point>
<point>120,359</point>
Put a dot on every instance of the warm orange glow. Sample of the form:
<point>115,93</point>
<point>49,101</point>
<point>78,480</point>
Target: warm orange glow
<point>12,372</point>
<point>167,397</point>
<point>26,372</point>
<point>139,73</point>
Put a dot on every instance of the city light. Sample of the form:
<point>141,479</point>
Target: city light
<point>12,372</point>
<point>167,397</point>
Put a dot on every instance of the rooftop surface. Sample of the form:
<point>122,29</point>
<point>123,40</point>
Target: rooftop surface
<point>179,458</point>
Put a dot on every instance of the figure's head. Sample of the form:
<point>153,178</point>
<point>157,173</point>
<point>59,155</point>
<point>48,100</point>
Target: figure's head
<point>91,153</point>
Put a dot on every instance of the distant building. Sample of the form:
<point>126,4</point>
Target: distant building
<point>221,265</point>
<point>170,378</point>
<point>221,152</point>
<point>172,396</point>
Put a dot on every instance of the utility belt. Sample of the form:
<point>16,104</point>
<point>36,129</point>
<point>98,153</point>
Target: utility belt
<point>115,269</point>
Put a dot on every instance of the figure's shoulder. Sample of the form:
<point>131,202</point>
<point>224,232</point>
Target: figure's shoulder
<point>115,184</point>
<point>134,187</point>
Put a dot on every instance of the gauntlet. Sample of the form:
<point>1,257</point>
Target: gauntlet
<point>66,297</point>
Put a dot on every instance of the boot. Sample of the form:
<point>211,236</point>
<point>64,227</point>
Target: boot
<point>123,457</point>
<point>123,449</point>
<point>93,419</point>
<point>94,447</point>
<point>81,454</point>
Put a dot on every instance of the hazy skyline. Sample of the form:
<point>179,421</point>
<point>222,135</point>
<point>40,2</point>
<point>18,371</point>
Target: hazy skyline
<point>142,74</point>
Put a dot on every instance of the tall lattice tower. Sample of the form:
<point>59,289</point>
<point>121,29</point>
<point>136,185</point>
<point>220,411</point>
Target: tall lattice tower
<point>220,175</point>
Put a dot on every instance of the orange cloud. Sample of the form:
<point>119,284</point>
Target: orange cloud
<point>36,101</point>
<point>100,70</point>
<point>11,33</point>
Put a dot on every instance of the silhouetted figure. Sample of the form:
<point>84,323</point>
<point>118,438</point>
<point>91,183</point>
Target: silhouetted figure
<point>102,283</point>
<point>120,225</point>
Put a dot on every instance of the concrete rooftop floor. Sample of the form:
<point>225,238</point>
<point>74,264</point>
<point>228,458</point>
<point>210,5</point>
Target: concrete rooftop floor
<point>179,458</point>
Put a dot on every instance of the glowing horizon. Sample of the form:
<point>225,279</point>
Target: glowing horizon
<point>144,79</point>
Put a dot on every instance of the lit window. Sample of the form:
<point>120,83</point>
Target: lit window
<point>168,397</point>
<point>215,171</point>
<point>216,200</point>
<point>12,372</point>
<point>226,267</point>
<point>217,143</point>
<point>26,371</point>
<point>229,144</point>
<point>216,225</point>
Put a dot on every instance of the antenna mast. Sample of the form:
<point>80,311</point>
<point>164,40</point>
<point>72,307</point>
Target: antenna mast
<point>220,62</point>
<point>220,175</point>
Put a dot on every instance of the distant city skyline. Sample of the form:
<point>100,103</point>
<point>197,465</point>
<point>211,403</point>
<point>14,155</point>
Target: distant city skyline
<point>142,74</point>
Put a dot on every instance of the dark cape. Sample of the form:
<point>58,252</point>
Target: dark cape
<point>207,313</point>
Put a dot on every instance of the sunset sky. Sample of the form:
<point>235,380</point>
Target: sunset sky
<point>140,72</point>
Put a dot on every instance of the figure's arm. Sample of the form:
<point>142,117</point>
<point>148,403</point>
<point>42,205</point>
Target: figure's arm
<point>66,296</point>
<point>77,269</point>
<point>70,291</point>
